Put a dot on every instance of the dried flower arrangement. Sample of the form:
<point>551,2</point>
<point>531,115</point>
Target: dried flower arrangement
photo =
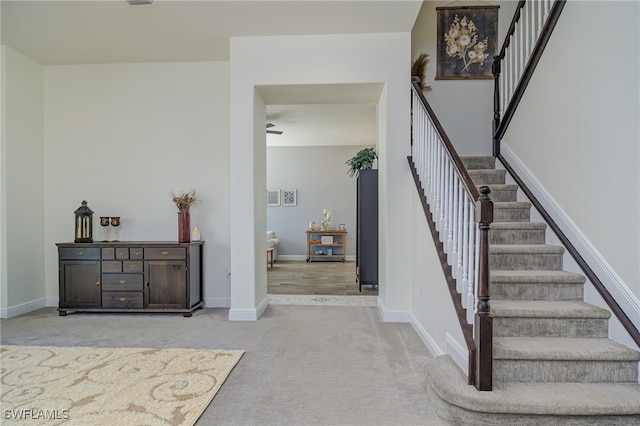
<point>418,69</point>
<point>184,200</point>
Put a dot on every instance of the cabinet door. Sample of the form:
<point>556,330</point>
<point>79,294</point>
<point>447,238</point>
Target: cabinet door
<point>80,284</point>
<point>166,284</point>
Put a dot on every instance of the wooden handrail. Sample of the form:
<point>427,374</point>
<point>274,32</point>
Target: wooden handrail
<point>480,348</point>
<point>471,187</point>
<point>501,123</point>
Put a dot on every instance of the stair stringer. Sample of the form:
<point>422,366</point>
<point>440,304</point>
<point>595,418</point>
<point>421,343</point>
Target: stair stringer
<point>548,398</point>
<point>611,280</point>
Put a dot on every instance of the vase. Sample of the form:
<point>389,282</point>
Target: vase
<point>184,227</point>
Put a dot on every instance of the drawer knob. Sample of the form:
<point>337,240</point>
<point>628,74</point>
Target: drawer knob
<point>123,299</point>
<point>133,266</point>
<point>112,265</point>
<point>107,253</point>
<point>98,284</point>
<point>123,253</point>
<point>164,253</point>
<point>80,253</point>
<point>122,281</point>
<point>136,253</point>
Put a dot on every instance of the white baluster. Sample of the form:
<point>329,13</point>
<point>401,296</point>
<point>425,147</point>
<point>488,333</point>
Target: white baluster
<point>472,265</point>
<point>459,254</point>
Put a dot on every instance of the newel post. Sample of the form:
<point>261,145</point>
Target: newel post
<point>483,319</point>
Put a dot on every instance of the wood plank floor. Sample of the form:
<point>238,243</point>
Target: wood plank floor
<point>325,278</point>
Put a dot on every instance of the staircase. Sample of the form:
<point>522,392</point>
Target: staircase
<point>553,362</point>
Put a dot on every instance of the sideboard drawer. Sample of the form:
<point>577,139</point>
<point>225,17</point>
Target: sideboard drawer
<point>108,253</point>
<point>135,253</point>
<point>122,299</point>
<point>122,252</point>
<point>79,253</point>
<point>132,266</point>
<point>111,266</point>
<point>122,282</point>
<point>165,253</point>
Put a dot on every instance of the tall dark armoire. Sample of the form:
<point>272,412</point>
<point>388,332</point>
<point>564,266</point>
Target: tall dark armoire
<point>367,228</point>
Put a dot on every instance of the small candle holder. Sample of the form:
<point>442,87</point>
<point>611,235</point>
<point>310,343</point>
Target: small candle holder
<point>115,222</point>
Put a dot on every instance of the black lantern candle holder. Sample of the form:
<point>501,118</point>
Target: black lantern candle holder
<point>84,224</point>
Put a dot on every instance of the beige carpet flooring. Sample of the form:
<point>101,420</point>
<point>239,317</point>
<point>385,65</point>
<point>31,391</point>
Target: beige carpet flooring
<point>49,385</point>
<point>303,365</point>
<point>297,277</point>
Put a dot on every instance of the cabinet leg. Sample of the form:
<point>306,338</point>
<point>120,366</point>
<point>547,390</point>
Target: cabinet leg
<point>62,313</point>
<point>188,314</point>
<point>308,259</point>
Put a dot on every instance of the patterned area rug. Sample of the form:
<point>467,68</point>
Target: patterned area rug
<point>109,386</point>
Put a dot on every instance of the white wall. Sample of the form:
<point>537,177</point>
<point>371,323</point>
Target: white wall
<point>464,107</point>
<point>319,175</point>
<point>123,137</point>
<point>371,58</point>
<point>433,313</point>
<point>584,144</point>
<point>22,184</point>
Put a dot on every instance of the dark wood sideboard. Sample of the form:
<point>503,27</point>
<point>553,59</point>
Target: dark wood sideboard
<point>130,276</point>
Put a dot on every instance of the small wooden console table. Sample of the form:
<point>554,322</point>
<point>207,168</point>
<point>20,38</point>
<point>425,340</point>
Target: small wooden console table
<point>327,245</point>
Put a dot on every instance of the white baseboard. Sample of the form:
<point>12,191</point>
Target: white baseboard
<point>426,338</point>
<point>393,316</point>
<point>458,352</point>
<point>217,302</point>
<point>23,308</point>
<point>611,280</point>
<point>249,314</point>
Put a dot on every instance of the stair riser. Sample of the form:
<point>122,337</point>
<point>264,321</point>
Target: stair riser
<point>504,195</point>
<point>516,236</point>
<point>525,261</point>
<point>564,371</point>
<point>511,214</point>
<point>535,291</point>
<point>550,327</point>
<point>479,179</point>
<point>475,163</point>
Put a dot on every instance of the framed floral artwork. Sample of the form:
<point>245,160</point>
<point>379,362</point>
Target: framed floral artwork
<point>467,42</point>
<point>273,197</point>
<point>289,197</point>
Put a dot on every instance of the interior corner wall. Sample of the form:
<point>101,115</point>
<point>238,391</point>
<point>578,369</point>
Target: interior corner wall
<point>23,212</point>
<point>329,59</point>
<point>319,175</point>
<point>3,186</point>
<point>122,137</point>
<point>463,107</point>
<point>583,146</point>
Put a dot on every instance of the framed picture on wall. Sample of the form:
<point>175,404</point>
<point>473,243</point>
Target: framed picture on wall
<point>273,197</point>
<point>467,42</point>
<point>289,197</point>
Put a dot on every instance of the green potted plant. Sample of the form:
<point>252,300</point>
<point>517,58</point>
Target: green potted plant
<point>363,160</point>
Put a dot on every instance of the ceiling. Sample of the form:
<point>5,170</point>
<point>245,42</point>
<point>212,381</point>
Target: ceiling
<point>54,32</point>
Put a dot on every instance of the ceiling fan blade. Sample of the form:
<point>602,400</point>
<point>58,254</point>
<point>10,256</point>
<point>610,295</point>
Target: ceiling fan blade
<point>274,132</point>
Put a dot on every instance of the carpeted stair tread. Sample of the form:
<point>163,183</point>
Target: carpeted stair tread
<point>546,309</point>
<point>536,276</point>
<point>525,249</point>
<point>512,205</point>
<point>449,383</point>
<point>561,348</point>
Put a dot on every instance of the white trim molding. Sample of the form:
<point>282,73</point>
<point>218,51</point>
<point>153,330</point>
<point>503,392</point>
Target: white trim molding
<point>457,351</point>
<point>611,280</point>
<point>23,308</point>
